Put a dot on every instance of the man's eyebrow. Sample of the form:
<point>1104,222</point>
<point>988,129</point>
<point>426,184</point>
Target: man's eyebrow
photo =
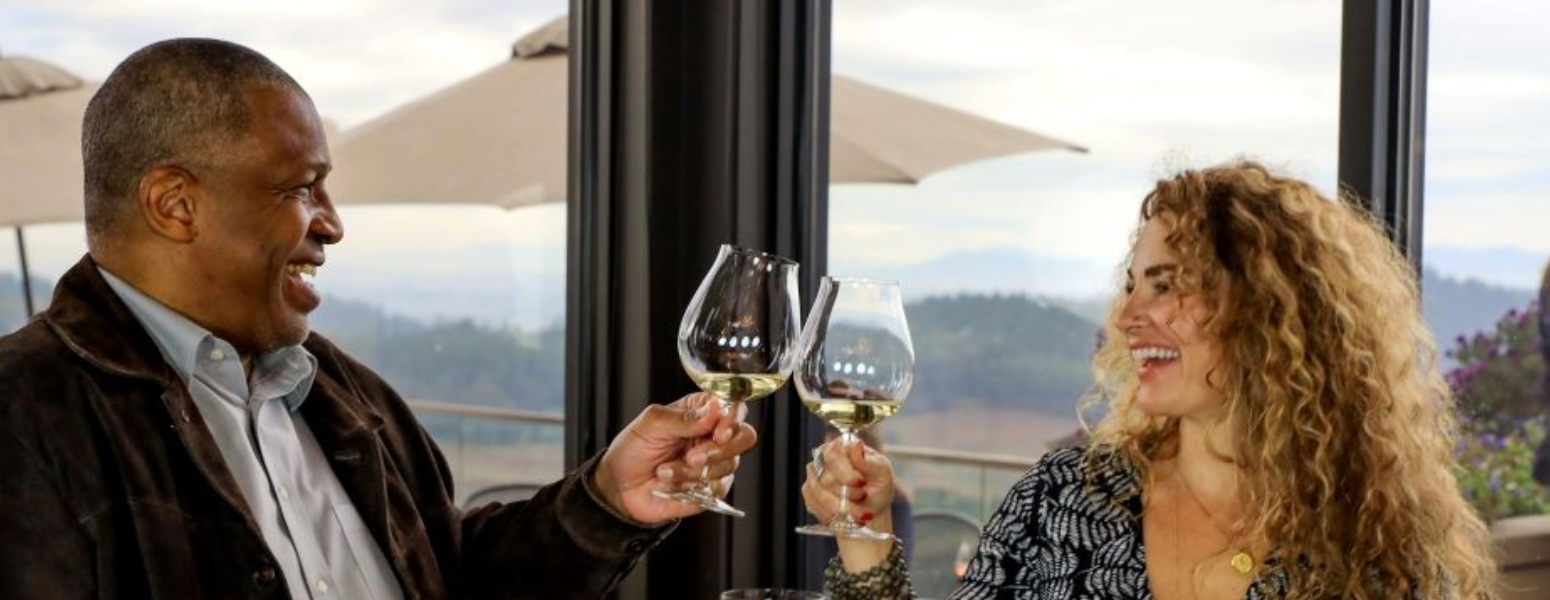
<point>1156,270</point>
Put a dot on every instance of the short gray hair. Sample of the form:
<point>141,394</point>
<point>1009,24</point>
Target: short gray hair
<point>178,101</point>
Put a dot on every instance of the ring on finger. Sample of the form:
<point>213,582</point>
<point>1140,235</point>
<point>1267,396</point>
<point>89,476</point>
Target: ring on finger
<point>818,461</point>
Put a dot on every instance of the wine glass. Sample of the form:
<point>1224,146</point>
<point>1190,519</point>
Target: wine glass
<point>856,367</point>
<point>738,340</point>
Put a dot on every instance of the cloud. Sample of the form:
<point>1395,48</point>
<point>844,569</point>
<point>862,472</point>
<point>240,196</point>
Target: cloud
<point>357,58</point>
<point>1140,83</point>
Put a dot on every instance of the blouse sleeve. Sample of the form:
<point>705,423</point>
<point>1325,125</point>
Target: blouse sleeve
<point>1006,546</point>
<point>1007,542</point>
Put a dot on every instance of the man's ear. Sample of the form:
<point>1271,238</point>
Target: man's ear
<point>167,202</point>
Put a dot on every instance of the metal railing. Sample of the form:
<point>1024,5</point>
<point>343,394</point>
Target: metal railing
<point>488,445</point>
<point>992,475</point>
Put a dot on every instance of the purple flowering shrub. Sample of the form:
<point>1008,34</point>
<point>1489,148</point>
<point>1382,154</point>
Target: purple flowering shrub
<point>1497,471</point>
<point>1498,386</point>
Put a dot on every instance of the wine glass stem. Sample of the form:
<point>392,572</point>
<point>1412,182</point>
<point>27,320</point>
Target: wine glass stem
<point>846,439</point>
<point>725,407</point>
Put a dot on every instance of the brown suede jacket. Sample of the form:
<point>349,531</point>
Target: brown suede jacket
<point>111,486</point>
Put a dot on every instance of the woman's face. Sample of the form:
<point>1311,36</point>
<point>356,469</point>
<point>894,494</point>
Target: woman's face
<point>1163,326</point>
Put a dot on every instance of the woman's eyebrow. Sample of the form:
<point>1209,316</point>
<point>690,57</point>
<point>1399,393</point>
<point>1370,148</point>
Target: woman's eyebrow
<point>1153,271</point>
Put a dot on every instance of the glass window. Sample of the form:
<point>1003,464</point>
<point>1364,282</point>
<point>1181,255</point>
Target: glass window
<point>1485,244</point>
<point>1008,263</point>
<point>460,307</point>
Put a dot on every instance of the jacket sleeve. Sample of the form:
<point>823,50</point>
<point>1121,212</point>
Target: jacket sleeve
<point>44,552</point>
<point>562,543</point>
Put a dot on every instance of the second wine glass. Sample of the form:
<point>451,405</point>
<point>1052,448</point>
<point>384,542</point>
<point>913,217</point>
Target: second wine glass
<point>857,365</point>
<point>738,340</point>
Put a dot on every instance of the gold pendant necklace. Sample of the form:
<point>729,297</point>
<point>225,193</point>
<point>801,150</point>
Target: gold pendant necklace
<point>1242,561</point>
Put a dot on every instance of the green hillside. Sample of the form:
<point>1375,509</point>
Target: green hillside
<point>1007,351</point>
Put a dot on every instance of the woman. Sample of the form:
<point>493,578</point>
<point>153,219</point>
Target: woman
<point>1275,429</point>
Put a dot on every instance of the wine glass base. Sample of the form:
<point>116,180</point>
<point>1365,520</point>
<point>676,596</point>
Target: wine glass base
<point>701,499</point>
<point>844,530</point>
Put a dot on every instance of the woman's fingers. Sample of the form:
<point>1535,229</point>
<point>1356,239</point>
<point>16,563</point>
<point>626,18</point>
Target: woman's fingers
<point>838,468</point>
<point>815,498</point>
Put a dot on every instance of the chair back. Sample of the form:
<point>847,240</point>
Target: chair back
<point>945,540</point>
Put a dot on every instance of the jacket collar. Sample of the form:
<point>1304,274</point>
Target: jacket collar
<point>96,324</point>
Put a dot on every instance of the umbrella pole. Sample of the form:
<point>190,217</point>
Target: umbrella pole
<point>21,251</point>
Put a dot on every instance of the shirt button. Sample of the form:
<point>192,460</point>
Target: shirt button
<point>322,587</point>
<point>217,355</point>
<point>264,577</point>
<point>283,493</point>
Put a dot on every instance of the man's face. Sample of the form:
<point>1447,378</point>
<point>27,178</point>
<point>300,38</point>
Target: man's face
<point>264,220</point>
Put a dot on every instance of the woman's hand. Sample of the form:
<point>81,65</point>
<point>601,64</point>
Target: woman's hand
<point>865,477</point>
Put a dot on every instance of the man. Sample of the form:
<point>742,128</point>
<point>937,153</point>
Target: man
<point>170,429</point>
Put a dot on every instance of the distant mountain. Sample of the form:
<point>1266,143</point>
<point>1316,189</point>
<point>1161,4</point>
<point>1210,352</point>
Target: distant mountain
<point>999,350</point>
<point>991,270</point>
<point>343,318</point>
<point>1455,307</point>
<point>990,342</point>
<point>12,312</point>
<point>1503,267</point>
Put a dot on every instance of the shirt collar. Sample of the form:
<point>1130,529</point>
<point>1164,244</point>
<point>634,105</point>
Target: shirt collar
<point>289,370</point>
<point>177,337</point>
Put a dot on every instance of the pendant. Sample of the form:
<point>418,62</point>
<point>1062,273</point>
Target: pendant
<point>1243,562</point>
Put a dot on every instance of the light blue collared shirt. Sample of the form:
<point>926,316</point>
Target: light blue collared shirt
<point>307,520</point>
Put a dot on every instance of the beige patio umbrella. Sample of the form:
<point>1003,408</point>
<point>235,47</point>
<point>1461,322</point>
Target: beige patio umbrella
<point>40,141</point>
<point>41,107</point>
<point>40,149</point>
<point>499,137</point>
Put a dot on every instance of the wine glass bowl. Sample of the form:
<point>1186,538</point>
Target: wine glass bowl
<point>856,366</point>
<point>738,338</point>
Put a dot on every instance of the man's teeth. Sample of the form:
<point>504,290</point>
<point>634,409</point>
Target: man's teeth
<point>1141,354</point>
<point>306,272</point>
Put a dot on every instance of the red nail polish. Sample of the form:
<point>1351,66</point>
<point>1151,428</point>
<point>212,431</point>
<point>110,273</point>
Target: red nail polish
<point>860,483</point>
<point>866,517</point>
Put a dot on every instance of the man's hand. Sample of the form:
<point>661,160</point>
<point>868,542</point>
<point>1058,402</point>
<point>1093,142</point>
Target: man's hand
<point>665,447</point>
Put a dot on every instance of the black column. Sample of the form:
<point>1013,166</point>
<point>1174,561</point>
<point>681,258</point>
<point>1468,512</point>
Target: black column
<point>693,123</point>
<point>1383,112</point>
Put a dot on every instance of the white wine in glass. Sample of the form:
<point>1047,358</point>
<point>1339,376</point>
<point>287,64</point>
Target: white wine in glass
<point>856,366</point>
<point>738,340</point>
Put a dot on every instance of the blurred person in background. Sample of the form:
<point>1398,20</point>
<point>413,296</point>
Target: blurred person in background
<point>1542,453</point>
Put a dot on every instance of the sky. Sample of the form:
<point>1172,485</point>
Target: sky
<point>1148,86</point>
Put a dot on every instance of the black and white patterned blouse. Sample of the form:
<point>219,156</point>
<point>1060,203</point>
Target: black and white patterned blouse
<point>1068,530</point>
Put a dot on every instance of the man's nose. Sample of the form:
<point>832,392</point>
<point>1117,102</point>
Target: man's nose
<point>326,224</point>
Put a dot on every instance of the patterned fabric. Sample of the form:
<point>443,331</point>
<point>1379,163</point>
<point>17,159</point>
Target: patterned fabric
<point>1069,530</point>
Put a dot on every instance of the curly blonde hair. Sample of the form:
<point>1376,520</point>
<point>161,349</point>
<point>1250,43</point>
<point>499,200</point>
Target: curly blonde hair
<point>1345,429</point>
